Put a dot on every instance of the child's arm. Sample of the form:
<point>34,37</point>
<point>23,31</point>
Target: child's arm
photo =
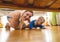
<point>31,24</point>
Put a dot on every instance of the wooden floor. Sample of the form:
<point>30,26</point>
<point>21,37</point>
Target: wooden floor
<point>50,34</point>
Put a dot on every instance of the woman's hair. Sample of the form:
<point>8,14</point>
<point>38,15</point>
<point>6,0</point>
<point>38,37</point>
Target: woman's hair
<point>28,11</point>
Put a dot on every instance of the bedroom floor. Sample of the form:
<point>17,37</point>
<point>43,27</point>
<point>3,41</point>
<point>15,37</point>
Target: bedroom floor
<point>50,34</point>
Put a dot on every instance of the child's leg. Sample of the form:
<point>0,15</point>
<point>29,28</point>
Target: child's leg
<point>42,27</point>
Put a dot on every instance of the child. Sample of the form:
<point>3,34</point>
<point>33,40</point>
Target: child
<point>37,23</point>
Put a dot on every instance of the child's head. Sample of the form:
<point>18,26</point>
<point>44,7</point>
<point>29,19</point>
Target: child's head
<point>40,20</point>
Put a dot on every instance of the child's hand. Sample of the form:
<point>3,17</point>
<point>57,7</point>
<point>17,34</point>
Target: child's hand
<point>38,28</point>
<point>33,28</point>
<point>26,23</point>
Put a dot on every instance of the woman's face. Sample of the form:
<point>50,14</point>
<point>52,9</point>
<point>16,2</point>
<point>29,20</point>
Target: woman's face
<point>27,15</point>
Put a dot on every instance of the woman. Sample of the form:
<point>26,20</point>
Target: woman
<point>16,19</point>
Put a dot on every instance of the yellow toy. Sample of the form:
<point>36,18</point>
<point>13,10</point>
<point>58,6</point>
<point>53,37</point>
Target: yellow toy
<point>1,25</point>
